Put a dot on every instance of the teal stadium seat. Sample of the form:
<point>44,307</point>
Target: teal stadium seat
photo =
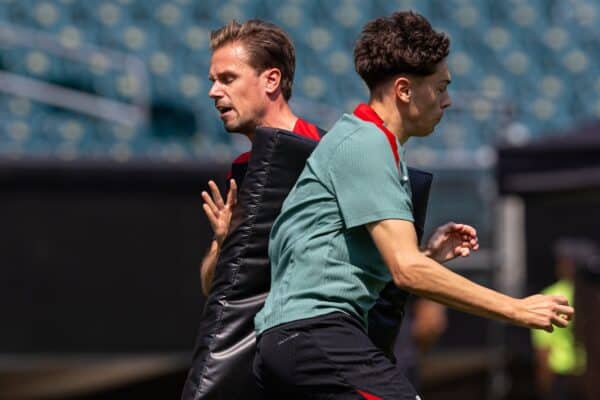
<point>533,63</point>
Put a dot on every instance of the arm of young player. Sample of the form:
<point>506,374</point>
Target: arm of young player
<point>219,216</point>
<point>415,272</point>
<point>451,240</point>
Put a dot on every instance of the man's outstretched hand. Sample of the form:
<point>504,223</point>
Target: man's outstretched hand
<point>452,240</point>
<point>544,312</point>
<point>217,211</point>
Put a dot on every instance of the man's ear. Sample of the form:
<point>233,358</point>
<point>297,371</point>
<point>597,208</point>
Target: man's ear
<point>272,80</point>
<point>403,89</point>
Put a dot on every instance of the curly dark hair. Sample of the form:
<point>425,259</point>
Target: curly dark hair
<point>268,46</point>
<point>404,42</point>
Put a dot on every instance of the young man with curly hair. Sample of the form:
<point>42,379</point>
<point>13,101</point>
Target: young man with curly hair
<point>346,229</point>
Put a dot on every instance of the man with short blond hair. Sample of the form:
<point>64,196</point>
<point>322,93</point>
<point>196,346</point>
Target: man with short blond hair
<point>252,71</point>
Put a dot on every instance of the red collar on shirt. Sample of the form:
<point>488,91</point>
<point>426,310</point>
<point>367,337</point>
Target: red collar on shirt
<point>306,129</point>
<point>366,113</point>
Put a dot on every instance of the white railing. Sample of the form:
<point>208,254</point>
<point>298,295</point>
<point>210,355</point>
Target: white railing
<point>129,114</point>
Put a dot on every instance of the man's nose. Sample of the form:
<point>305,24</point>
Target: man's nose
<point>215,91</point>
<point>447,102</point>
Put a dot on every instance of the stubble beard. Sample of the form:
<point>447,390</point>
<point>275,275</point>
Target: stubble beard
<point>238,126</point>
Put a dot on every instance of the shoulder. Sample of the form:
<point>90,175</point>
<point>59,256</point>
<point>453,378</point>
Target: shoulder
<point>238,169</point>
<point>349,130</point>
<point>360,138</point>
<point>351,143</point>
<point>242,158</point>
<point>308,130</point>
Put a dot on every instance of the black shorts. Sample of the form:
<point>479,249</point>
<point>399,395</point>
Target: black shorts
<point>326,357</point>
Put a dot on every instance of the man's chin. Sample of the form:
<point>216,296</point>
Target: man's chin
<point>231,127</point>
<point>431,129</point>
<point>424,132</point>
<point>237,128</point>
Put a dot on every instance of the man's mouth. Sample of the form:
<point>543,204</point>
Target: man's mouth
<point>223,110</point>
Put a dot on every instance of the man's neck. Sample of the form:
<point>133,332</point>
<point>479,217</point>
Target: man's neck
<point>392,120</point>
<point>277,116</point>
<point>280,116</point>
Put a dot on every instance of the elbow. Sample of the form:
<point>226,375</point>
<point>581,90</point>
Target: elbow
<point>405,275</point>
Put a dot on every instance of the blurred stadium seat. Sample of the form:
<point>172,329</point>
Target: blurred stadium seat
<point>515,58</point>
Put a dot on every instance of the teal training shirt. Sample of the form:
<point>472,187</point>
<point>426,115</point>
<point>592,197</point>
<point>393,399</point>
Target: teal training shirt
<point>322,257</point>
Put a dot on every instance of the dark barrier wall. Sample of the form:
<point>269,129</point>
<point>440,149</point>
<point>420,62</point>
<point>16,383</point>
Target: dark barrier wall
<point>101,257</point>
<point>587,328</point>
<point>550,216</point>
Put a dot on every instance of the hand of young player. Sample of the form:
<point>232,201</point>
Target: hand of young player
<point>452,240</point>
<point>544,312</point>
<point>217,211</point>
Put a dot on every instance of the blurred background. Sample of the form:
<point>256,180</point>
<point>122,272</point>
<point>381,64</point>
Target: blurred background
<point>108,137</point>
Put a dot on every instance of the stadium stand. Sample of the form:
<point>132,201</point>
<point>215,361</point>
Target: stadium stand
<point>146,63</point>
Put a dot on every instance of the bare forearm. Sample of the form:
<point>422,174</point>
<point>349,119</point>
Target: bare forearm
<point>207,267</point>
<point>219,216</point>
<point>417,273</point>
<point>429,279</point>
